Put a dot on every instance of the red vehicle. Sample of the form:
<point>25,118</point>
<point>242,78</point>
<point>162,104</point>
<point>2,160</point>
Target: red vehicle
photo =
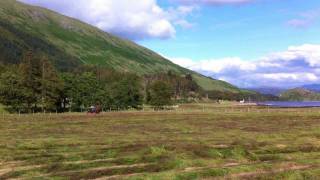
<point>95,109</point>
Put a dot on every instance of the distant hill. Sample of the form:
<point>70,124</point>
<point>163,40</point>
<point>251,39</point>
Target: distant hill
<point>268,90</point>
<point>70,43</point>
<point>312,87</point>
<point>300,94</point>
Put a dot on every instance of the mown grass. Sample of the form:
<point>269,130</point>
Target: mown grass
<point>194,142</point>
<point>2,109</point>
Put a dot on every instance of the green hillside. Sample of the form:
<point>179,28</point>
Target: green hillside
<point>69,43</point>
<point>300,94</point>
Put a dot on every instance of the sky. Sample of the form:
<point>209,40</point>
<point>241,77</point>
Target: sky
<point>249,43</point>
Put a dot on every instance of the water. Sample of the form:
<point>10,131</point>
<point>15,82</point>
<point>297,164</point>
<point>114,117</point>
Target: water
<point>292,104</point>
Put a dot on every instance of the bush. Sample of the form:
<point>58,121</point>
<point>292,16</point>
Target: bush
<point>160,94</point>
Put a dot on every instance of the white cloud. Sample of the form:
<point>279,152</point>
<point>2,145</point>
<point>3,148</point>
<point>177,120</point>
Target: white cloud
<point>180,14</point>
<point>290,76</point>
<point>299,23</point>
<point>184,24</point>
<point>305,19</point>
<point>215,65</point>
<point>296,66</point>
<point>214,2</point>
<point>131,19</point>
<point>186,9</point>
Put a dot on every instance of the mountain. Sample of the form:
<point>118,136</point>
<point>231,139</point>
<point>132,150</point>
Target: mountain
<point>312,87</point>
<point>268,90</point>
<point>70,43</point>
<point>300,94</point>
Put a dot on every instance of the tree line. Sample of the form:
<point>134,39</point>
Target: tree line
<point>35,85</point>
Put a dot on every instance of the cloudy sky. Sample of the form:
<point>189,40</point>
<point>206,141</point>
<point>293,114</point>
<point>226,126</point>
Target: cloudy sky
<point>249,43</point>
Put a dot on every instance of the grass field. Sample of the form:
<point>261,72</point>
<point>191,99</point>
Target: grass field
<point>194,142</point>
<point>2,110</point>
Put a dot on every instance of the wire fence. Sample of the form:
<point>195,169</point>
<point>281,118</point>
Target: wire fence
<point>197,109</point>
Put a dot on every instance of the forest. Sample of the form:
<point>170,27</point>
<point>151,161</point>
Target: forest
<point>35,85</point>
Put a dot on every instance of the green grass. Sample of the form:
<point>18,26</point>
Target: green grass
<point>209,84</point>
<point>193,142</point>
<point>2,109</point>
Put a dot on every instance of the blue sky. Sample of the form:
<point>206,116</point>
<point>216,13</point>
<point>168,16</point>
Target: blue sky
<point>248,43</point>
<point>248,31</point>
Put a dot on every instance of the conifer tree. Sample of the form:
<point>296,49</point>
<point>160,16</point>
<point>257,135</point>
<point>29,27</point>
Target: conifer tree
<point>51,86</point>
<point>31,81</point>
<point>160,94</point>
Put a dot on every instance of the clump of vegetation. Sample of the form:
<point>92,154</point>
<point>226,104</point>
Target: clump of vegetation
<point>300,94</point>
<point>160,94</point>
<point>35,85</point>
<point>32,85</point>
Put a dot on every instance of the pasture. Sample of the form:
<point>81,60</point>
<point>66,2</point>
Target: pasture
<point>196,141</point>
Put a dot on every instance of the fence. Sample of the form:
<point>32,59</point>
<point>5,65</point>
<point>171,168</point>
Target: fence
<point>197,109</point>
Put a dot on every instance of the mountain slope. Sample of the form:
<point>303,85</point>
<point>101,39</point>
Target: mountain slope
<point>69,43</point>
<point>312,87</point>
<point>268,90</point>
<point>300,94</point>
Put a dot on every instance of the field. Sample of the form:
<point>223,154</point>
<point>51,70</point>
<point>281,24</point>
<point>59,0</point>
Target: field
<point>2,110</point>
<point>192,142</point>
